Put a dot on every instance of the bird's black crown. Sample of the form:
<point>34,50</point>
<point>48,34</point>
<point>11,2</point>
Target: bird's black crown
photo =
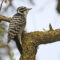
<point>21,9</point>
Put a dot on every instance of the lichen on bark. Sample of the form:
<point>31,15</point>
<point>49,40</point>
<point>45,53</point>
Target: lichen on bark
<point>31,41</point>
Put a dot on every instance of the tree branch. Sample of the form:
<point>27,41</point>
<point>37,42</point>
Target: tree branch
<point>1,4</point>
<point>30,41</point>
<point>3,18</point>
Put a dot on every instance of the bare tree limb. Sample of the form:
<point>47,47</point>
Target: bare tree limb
<point>1,4</point>
<point>3,18</point>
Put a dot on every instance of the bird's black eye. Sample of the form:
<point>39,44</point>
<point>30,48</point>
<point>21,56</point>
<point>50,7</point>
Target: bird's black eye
<point>22,11</point>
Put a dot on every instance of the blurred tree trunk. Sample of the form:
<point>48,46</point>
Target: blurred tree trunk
<point>58,6</point>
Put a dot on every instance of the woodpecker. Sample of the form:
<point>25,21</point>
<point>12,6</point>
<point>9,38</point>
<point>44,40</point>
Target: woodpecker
<point>17,25</point>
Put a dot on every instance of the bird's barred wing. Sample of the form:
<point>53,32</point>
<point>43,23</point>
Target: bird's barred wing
<point>17,23</point>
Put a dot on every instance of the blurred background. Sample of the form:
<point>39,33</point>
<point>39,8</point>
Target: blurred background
<point>42,14</point>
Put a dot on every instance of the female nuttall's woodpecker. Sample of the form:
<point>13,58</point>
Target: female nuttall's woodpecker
<point>17,25</point>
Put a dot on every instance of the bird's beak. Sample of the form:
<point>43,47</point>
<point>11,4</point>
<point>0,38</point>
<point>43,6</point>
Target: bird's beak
<point>29,8</point>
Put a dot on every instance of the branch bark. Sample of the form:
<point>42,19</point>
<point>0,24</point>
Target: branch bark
<point>30,41</point>
<point>3,18</point>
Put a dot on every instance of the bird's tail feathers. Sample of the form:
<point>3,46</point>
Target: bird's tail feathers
<point>18,44</point>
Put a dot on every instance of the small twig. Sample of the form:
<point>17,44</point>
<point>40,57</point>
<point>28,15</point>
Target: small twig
<point>50,27</point>
<point>1,5</point>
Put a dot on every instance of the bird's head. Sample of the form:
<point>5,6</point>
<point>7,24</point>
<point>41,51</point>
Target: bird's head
<point>23,10</point>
